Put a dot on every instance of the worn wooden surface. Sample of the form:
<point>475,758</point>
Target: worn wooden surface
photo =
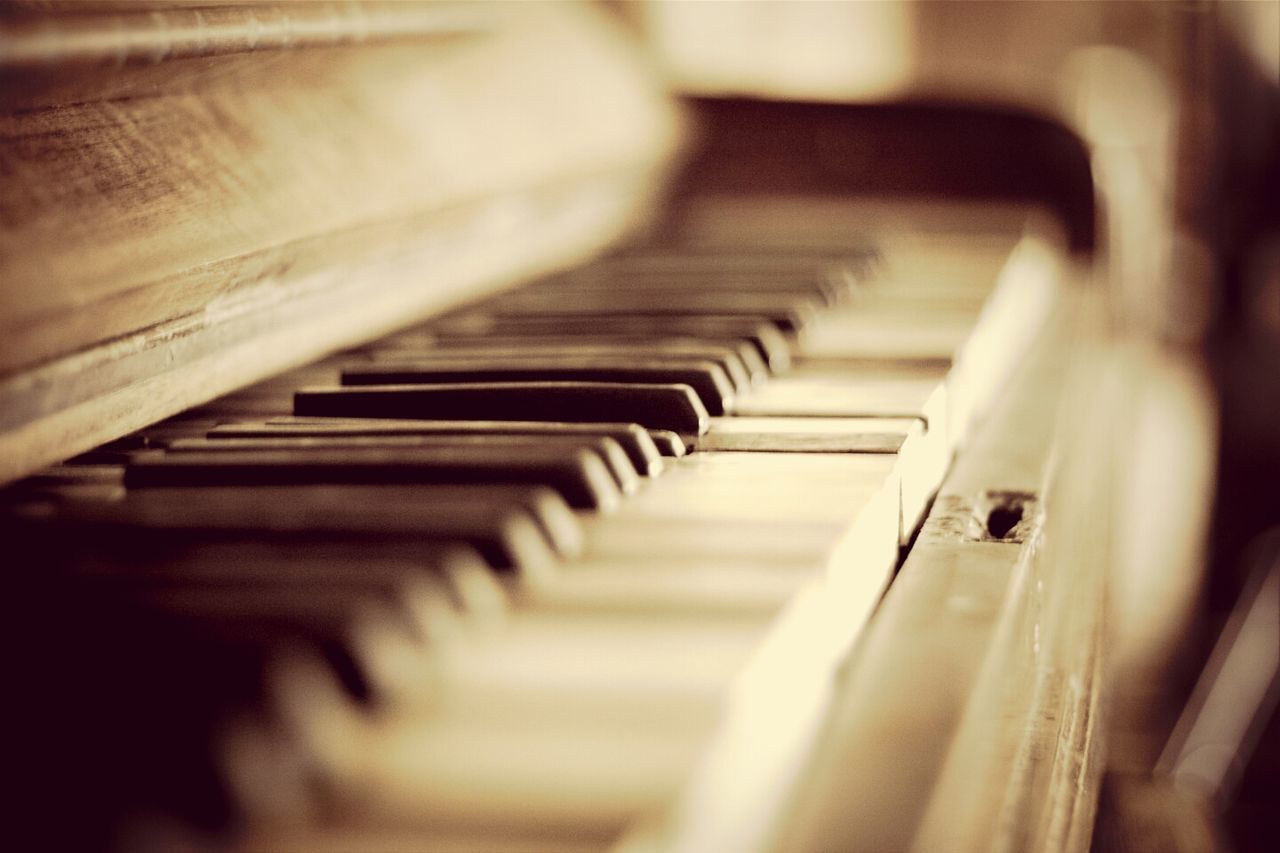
<point>203,211</point>
<point>966,719</point>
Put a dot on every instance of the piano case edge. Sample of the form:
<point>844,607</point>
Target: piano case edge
<point>180,223</point>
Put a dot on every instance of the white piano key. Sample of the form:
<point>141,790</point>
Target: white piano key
<point>921,456</point>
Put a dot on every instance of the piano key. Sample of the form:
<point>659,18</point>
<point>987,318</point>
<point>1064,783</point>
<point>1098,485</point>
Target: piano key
<point>852,252</point>
<point>752,531</point>
<point>478,679</point>
<point>624,474</point>
<point>760,486</point>
<point>255,512</point>
<point>661,351</point>
<point>733,433</point>
<point>612,278</point>
<point>817,275</point>
<point>645,639</point>
<point>480,718</point>
<point>634,440</point>
<point>809,434</point>
<point>62,482</point>
<point>753,509</point>
<point>709,584</point>
<point>511,779</point>
<point>706,378</point>
<point>523,527</point>
<point>164,646</point>
<point>447,772</point>
<point>362,638</point>
<point>556,663</point>
<point>768,340</point>
<point>382,602</point>
<point>835,269</point>
<point>757,427</point>
<point>250,558</point>
<point>162,690</point>
<point>669,443</point>
<point>63,476</point>
<point>907,320</point>
<point>788,313</point>
<point>862,334</point>
<point>752,475</point>
<point>578,474</point>
<point>327,612</point>
<point>376,631</point>
<point>873,392</point>
<point>135,539</point>
<point>839,434</point>
<point>656,406</point>
<point>921,457</point>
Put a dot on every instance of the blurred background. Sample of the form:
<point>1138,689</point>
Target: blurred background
<point>1147,132</point>
<point>1178,107</point>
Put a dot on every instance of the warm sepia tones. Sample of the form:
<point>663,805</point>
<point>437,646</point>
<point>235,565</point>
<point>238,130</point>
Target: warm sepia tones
<point>648,426</point>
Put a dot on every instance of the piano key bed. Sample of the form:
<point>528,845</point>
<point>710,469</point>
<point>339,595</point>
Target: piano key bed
<point>524,576</point>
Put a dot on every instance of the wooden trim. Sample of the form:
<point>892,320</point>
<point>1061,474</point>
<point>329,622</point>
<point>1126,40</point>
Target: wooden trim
<point>967,716</point>
<point>176,181</point>
<point>120,34</point>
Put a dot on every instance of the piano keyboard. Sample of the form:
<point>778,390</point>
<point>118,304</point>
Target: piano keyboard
<point>504,579</point>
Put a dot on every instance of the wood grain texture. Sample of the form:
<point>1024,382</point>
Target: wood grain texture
<point>47,36</point>
<point>1023,768</point>
<point>966,718</point>
<point>314,194</point>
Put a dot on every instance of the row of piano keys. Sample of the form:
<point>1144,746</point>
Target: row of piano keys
<point>496,581</point>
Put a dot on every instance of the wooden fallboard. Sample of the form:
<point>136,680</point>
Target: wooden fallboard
<point>193,199</point>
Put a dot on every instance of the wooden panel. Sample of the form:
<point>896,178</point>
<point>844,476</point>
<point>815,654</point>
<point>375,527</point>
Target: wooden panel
<point>366,164</point>
<point>965,719</point>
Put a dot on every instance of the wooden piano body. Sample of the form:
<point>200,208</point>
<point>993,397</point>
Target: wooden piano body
<point>200,197</point>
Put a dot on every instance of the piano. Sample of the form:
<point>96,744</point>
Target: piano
<point>441,426</point>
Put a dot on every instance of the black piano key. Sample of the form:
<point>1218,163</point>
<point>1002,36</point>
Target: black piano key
<point>266,623</point>
<point>787,312</point>
<point>672,407</point>
<point>739,360</point>
<point>326,614</point>
<point>242,536</point>
<point>244,559</point>
<point>579,475</point>
<point>854,254</point>
<point>823,286</point>
<point>634,440</point>
<point>66,476</point>
<point>617,462</point>
<point>668,442</point>
<point>707,379</point>
<point>512,527</point>
<point>768,340</point>
<point>832,273</point>
<point>139,701</point>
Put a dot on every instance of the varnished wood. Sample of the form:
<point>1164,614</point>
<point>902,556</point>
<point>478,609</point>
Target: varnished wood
<point>949,728</point>
<point>163,244</point>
